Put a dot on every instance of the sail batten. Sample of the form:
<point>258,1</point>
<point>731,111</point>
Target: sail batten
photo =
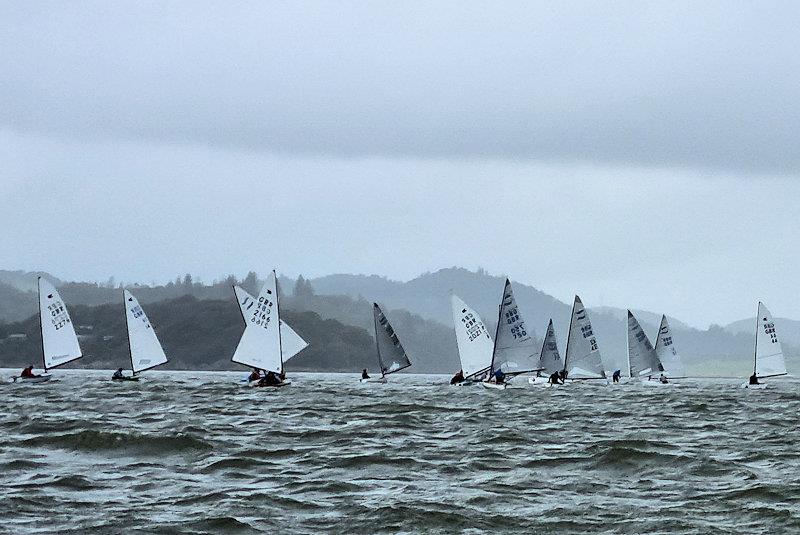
<point>145,349</point>
<point>583,352</point>
<point>59,341</point>
<point>391,355</point>
<point>260,344</point>
<point>475,346</point>
<point>769,360</point>
<point>667,352</point>
<point>514,349</point>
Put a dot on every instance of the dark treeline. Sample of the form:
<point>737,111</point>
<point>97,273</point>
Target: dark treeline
<point>196,334</point>
<point>199,331</point>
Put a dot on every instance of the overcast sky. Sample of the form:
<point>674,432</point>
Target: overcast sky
<point>645,155</point>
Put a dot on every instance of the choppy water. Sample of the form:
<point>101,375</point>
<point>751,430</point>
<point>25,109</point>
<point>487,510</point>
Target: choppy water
<point>197,453</point>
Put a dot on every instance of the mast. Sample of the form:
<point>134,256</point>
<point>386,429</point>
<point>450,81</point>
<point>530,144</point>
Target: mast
<point>755,346</point>
<point>278,314</point>
<point>377,345</point>
<point>41,322</point>
<point>128,331</point>
<point>496,332</point>
<point>569,335</point>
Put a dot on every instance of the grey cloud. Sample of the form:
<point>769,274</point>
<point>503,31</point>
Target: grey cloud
<point>712,85</point>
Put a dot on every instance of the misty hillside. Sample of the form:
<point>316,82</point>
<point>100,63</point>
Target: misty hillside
<point>789,330</point>
<point>420,312</point>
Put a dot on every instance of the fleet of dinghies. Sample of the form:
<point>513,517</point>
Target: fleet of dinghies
<point>267,342</point>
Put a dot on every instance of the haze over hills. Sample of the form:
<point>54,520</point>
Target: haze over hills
<point>420,312</point>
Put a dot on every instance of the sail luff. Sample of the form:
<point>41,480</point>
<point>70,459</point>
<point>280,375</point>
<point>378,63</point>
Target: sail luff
<point>292,342</point>
<point>769,361</point>
<point>128,332</point>
<point>145,348</point>
<point>475,346</point>
<point>514,350</point>
<point>642,358</point>
<point>260,344</point>
<point>583,349</point>
<point>667,354</point>
<point>59,341</point>
<point>392,357</point>
<point>550,349</point>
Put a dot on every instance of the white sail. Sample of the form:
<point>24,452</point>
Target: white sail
<point>59,341</point>
<point>642,359</point>
<point>769,359</point>
<point>583,359</point>
<point>666,352</point>
<point>146,350</point>
<point>260,345</point>
<point>475,346</point>
<point>514,348</point>
<point>549,358</point>
<point>291,342</point>
<point>391,355</point>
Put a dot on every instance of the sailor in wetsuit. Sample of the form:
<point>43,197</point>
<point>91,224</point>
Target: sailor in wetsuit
<point>255,375</point>
<point>271,379</point>
<point>28,372</point>
<point>615,376</point>
<point>364,374</point>
<point>555,379</point>
<point>457,378</point>
<point>118,374</point>
<point>754,379</point>
<point>499,377</point>
<point>663,379</point>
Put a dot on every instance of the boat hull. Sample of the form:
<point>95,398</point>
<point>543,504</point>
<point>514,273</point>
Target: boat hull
<point>494,386</point>
<point>257,384</point>
<point>43,378</point>
<point>124,379</point>
<point>378,380</point>
<point>759,386</point>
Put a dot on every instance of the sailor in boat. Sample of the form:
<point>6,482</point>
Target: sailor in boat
<point>663,379</point>
<point>118,375</point>
<point>499,377</point>
<point>255,375</point>
<point>27,373</point>
<point>457,378</point>
<point>555,379</point>
<point>754,379</point>
<point>271,379</point>
<point>615,376</point>
<point>364,374</point>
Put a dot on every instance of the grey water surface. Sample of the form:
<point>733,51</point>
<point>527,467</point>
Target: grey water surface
<point>196,452</point>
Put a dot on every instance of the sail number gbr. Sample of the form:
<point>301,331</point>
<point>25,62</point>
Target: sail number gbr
<point>262,315</point>
<point>58,315</point>
<point>474,328</point>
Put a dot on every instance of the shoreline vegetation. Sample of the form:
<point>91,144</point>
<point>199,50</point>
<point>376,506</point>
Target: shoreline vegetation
<point>199,324</point>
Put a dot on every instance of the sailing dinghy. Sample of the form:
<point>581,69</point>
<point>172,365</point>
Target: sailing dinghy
<point>550,360</point>
<point>583,360</point>
<point>143,345</point>
<point>260,345</point>
<point>643,362</point>
<point>391,356</point>
<point>514,350</point>
<point>59,341</point>
<point>475,346</point>
<point>768,360</point>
